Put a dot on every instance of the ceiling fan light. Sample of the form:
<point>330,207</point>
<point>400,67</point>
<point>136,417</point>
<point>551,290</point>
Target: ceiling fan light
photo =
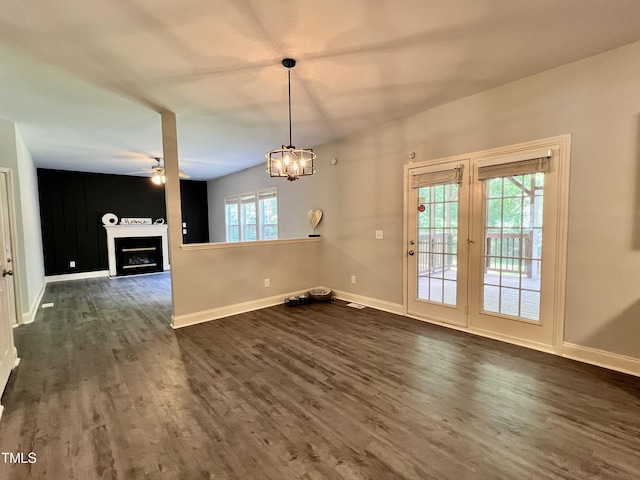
<point>157,180</point>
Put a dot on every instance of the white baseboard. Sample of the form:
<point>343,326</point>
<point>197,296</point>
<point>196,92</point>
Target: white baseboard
<point>76,276</point>
<point>30,316</point>
<point>180,321</point>
<point>383,305</point>
<point>541,347</point>
<point>602,358</point>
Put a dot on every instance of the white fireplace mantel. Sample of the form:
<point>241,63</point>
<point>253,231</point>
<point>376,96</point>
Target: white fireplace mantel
<point>124,231</point>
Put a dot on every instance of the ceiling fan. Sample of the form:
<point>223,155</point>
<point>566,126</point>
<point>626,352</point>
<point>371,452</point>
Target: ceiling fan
<point>157,172</point>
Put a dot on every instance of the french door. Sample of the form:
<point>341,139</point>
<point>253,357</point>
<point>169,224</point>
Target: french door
<point>484,240</point>
<point>437,256</point>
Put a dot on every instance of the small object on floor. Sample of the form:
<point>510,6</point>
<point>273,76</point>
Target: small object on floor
<point>47,305</point>
<point>320,294</point>
<point>355,305</point>
<point>303,299</point>
<point>291,301</point>
<point>298,300</point>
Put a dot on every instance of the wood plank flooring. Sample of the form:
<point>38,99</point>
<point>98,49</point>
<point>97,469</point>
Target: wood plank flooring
<point>107,390</point>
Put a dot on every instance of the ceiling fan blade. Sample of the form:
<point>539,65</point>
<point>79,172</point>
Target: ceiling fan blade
<point>183,175</point>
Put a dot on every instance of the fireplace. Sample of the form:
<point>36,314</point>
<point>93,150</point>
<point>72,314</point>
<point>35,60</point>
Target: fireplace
<point>136,255</point>
<point>138,261</point>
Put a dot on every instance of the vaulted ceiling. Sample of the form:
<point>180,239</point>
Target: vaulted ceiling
<point>85,79</point>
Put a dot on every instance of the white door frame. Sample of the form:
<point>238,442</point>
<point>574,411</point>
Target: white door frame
<point>8,352</point>
<point>563,145</point>
<point>8,174</point>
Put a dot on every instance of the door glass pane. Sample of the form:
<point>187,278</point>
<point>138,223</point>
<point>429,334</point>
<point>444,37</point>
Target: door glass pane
<point>513,245</point>
<point>437,261</point>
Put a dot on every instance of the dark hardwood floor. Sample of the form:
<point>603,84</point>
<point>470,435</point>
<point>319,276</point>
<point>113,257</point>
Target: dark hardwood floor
<point>106,389</point>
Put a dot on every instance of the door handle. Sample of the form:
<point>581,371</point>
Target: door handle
<point>6,272</point>
<point>411,252</point>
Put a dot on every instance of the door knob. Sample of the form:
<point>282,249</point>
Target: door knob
<point>411,252</point>
<point>6,272</point>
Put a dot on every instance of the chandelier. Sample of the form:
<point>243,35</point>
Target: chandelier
<point>290,162</point>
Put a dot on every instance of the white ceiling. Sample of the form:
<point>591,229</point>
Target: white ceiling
<point>84,79</point>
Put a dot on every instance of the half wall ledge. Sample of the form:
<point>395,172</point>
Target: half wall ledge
<point>222,245</point>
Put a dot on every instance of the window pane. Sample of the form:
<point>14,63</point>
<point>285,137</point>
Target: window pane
<point>513,245</point>
<point>437,212</point>
<point>248,217</point>
<point>231,219</point>
<point>268,215</point>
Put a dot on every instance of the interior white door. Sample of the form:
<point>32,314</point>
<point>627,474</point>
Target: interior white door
<point>7,352</point>
<point>8,248</point>
<point>437,247</point>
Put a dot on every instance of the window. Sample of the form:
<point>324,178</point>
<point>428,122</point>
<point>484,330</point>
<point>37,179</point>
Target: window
<point>513,245</point>
<point>252,216</point>
<point>513,212</point>
<point>231,219</point>
<point>268,202</point>
<point>437,243</point>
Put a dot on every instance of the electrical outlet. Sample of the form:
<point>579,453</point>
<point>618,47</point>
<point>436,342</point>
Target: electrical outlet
<point>379,234</point>
<point>267,282</point>
<point>353,279</point>
<point>72,264</point>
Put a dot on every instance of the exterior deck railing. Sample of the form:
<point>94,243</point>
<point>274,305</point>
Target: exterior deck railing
<point>436,252</point>
<point>509,252</point>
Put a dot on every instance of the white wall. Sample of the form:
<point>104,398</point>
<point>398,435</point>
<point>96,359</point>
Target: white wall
<point>596,100</point>
<point>14,155</point>
<point>29,227</point>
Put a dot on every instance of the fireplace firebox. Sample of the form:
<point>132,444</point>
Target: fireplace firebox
<point>136,255</point>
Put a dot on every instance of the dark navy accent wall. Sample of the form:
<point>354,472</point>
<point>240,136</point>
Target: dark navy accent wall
<point>72,205</point>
